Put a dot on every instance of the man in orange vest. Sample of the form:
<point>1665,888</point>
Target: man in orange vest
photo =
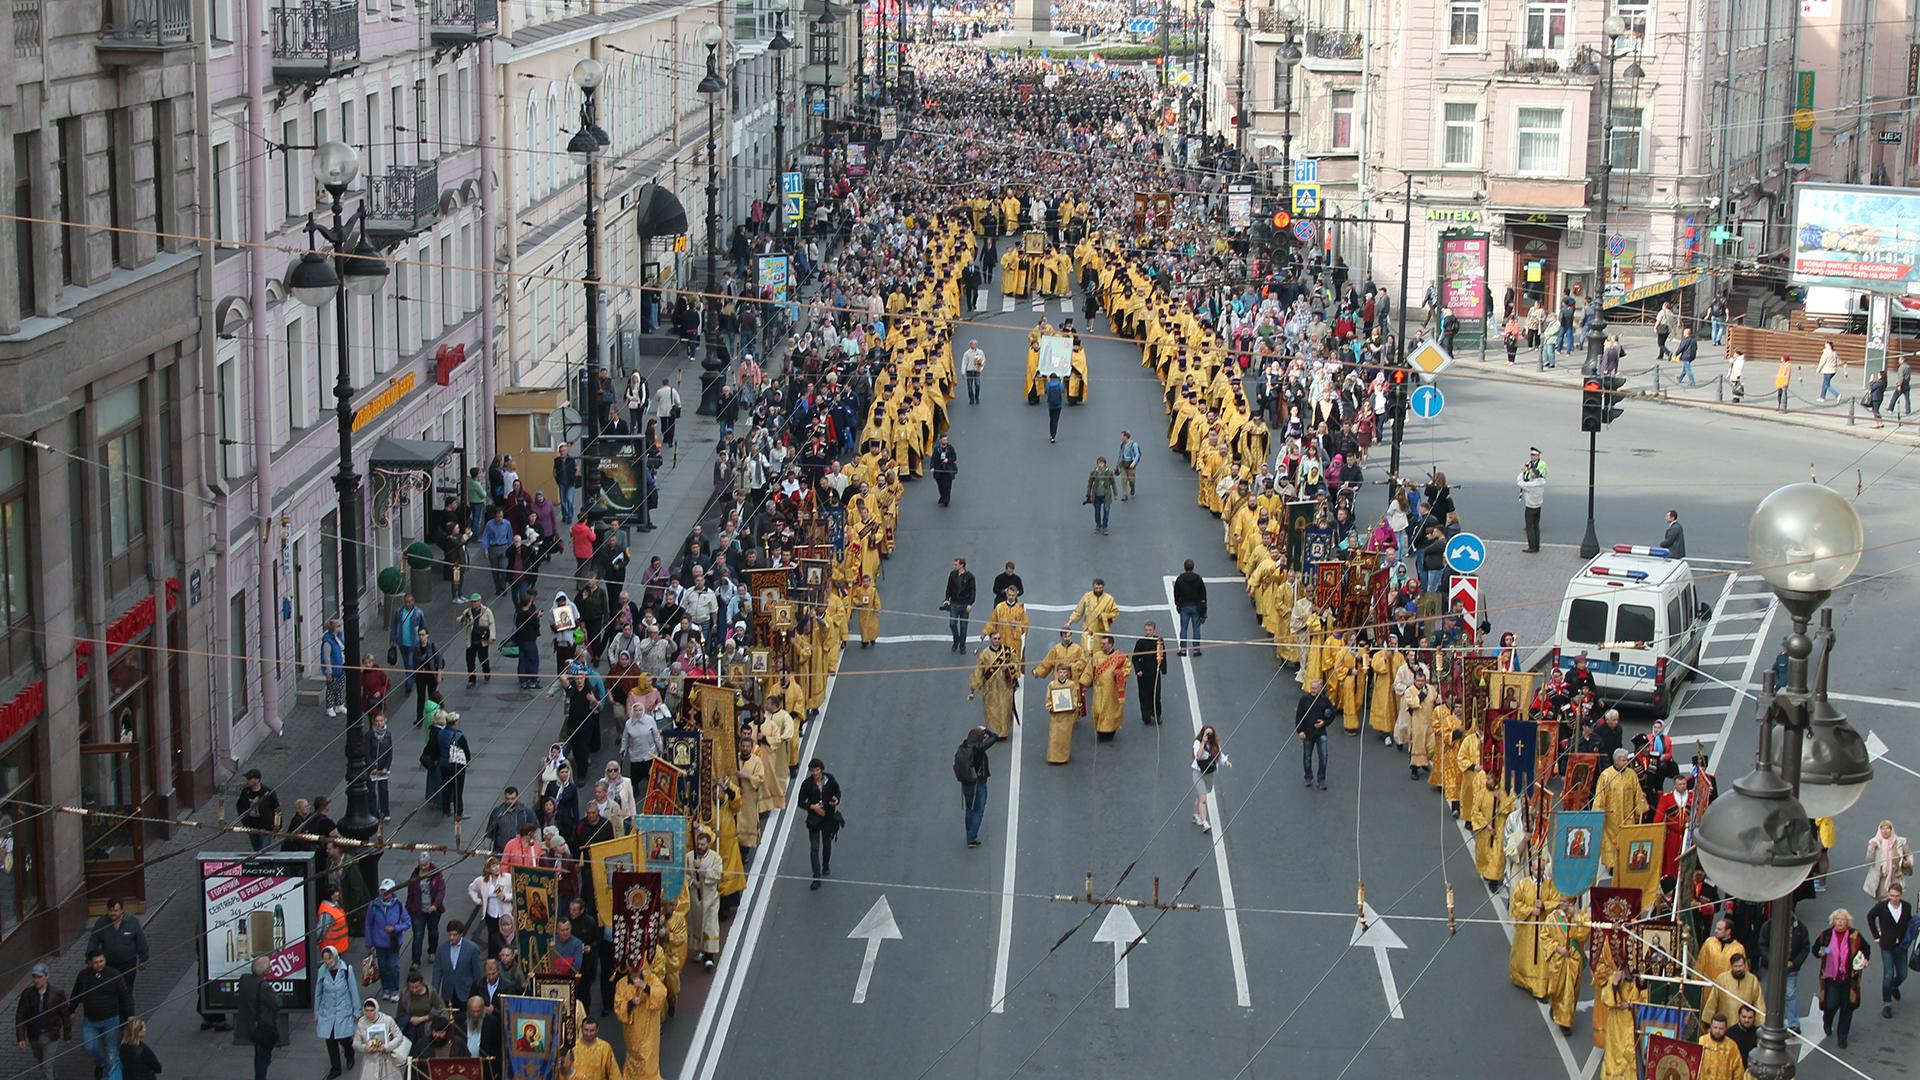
<point>330,924</point>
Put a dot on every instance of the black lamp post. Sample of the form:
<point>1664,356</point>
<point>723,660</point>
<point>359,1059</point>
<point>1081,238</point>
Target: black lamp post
<point>1615,28</point>
<point>1242,25</point>
<point>780,46</point>
<point>713,367</point>
<point>587,142</point>
<point>1206,69</point>
<point>316,280</point>
<point>1758,842</point>
<point>1288,57</point>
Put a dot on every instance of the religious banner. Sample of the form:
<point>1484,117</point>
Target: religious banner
<point>534,894</point>
<point>1380,614</point>
<point>1643,846</point>
<point>680,745</point>
<point>1656,952</point>
<point>1511,690</point>
<point>1576,849</point>
<point>1298,518</point>
<point>607,858</point>
<point>1547,751</point>
<point>1476,673</point>
<point>1578,790</point>
<point>636,907</point>
<point>1520,736</point>
<point>663,789</point>
<point>528,1030</point>
<point>715,706</point>
<point>835,518</point>
<point>1320,546</point>
<point>560,988</point>
<point>470,1068</point>
<point>706,799</point>
<point>1327,579</point>
<point>1666,1057</point>
<point>663,850</point>
<point>1619,907</point>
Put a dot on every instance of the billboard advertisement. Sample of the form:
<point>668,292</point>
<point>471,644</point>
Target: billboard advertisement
<point>256,904</point>
<point>1463,276</point>
<point>1857,237</point>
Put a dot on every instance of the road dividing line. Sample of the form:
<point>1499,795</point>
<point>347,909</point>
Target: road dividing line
<point>1228,908</point>
<point>1003,948</point>
<point>710,1034</point>
<point>902,639</point>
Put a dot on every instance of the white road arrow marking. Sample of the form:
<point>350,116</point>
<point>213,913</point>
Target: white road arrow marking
<point>1375,934</point>
<point>1877,750</point>
<point>876,926</point>
<point>1809,1043</point>
<point>1119,929</point>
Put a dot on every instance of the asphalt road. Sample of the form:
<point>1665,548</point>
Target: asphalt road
<point>1273,986</point>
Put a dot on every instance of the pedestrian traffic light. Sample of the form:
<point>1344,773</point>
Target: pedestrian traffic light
<point>1612,399</point>
<point>1593,404</point>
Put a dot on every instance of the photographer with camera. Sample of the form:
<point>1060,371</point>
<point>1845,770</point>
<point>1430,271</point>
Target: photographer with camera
<point>1533,495</point>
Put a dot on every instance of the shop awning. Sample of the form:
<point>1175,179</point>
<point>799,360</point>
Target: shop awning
<point>659,212</point>
<point>1653,289</point>
<point>412,455</point>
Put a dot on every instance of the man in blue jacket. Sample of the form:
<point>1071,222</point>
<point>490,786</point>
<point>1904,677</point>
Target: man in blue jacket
<point>404,634</point>
<point>387,926</point>
<point>457,971</point>
<point>1056,400</point>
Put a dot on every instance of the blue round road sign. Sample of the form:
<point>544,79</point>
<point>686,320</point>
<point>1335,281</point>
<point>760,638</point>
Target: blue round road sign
<point>1466,553</point>
<point>1427,401</point>
<point>1303,231</point>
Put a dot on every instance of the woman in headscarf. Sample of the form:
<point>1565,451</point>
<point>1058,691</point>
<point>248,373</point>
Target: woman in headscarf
<point>1889,861</point>
<point>383,1047</point>
<point>563,621</point>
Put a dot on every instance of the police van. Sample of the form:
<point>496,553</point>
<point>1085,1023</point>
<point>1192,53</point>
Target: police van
<point>1634,614</point>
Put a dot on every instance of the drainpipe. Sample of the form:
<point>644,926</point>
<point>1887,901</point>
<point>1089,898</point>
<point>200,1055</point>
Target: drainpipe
<point>259,268</point>
<point>212,454</point>
<point>484,252</point>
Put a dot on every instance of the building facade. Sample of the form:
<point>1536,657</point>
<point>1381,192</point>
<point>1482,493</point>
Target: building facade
<point>1506,119</point>
<point>107,520</point>
<point>408,86</point>
<point>1859,58</point>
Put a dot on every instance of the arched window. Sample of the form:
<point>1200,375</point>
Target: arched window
<point>551,142</point>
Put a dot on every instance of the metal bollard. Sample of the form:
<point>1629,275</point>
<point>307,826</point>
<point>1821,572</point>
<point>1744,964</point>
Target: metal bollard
<point>1720,388</point>
<point>1851,402</point>
<point>1656,380</point>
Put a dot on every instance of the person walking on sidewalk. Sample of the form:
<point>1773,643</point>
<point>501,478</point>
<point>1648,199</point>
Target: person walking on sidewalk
<point>42,1018</point>
<point>1190,600</point>
<point>426,903</point>
<point>496,539</point>
<point>1892,924</point>
<point>334,992</point>
<point>1717,319</point>
<point>427,666</point>
<point>403,636</point>
<point>973,363</point>
<point>1902,394</point>
<point>971,769</point>
<point>1664,324</point>
<point>1100,493</point>
<point>1129,461</point>
<point>1533,496</point>
<point>333,667</point>
<point>387,923</point>
<point>958,602</point>
<point>1689,349</point>
<point>104,1002</point>
<point>124,941</point>
<point>257,1015</point>
<point>1782,379</point>
<point>666,410</point>
<point>946,466</point>
<point>1056,401</point>
<point>1876,393</point>
<point>1829,367</point>
<point>257,807</point>
<point>478,619</point>
<point>566,476</point>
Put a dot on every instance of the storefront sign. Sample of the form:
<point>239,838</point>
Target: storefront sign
<point>1856,237</point>
<point>1463,276</point>
<point>1803,118</point>
<point>384,400</point>
<point>256,904</point>
<point>1531,218</point>
<point>1643,292</point>
<point>1456,216</point>
<point>1239,205</point>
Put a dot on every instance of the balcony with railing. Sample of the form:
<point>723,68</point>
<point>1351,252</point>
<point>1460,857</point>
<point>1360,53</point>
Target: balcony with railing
<point>456,22</point>
<point>146,31</point>
<point>1267,20</point>
<point>404,201</point>
<point>315,39</point>
<point>1333,47</point>
<point>26,29</point>
<point>1558,63</point>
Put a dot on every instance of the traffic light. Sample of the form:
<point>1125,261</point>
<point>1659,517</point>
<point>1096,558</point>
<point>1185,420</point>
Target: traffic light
<point>1398,391</point>
<point>1613,400</point>
<point>1593,404</point>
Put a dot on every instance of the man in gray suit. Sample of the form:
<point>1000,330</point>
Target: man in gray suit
<point>457,971</point>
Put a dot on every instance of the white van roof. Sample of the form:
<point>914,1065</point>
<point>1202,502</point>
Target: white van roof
<point>1626,569</point>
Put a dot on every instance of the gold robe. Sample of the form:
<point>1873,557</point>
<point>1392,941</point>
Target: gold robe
<point>1418,707</point>
<point>1527,962</point>
<point>1487,815</point>
<point>1011,621</point>
<point>1619,793</point>
<point>1095,613</point>
<point>1616,1000</point>
<point>639,1009</point>
<point>1385,663</point>
<point>996,681</point>
<point>866,600</point>
<point>1065,654</point>
<point>1721,1059</point>
<point>1312,637</point>
<point>1344,685</point>
<point>1565,940</point>
<point>1060,723</point>
<point>1109,707</point>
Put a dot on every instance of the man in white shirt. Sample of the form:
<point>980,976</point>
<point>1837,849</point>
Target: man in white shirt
<point>974,363</point>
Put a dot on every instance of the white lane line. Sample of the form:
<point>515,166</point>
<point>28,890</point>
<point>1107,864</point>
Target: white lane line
<point>1738,637</point>
<point>710,1034</point>
<point>1070,607</point>
<point>1733,711</point>
<point>902,639</point>
<point>1003,949</point>
<point>1006,304</point>
<point>1228,908</point>
<point>1235,579</point>
<point>1719,562</point>
<point>1697,710</point>
<point>1761,614</point>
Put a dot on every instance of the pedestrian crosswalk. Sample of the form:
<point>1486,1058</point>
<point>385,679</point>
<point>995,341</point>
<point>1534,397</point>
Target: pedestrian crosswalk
<point>1063,304</point>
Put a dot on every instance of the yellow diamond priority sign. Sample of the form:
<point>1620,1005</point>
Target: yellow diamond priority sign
<point>1429,359</point>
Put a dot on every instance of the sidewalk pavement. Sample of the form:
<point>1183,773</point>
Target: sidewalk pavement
<point>1652,380</point>
<point>509,730</point>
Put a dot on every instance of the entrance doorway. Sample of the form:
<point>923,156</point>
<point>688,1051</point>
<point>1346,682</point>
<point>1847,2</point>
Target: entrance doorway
<point>1536,266</point>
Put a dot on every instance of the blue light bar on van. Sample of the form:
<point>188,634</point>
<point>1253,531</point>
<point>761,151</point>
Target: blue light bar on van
<point>1631,575</point>
<point>1637,549</point>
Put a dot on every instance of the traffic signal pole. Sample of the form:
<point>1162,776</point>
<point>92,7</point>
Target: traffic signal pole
<point>1400,335</point>
<point>1590,543</point>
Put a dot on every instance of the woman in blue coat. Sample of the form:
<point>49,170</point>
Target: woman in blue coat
<point>335,1008</point>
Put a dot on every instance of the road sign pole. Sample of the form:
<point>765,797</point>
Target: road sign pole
<point>1400,337</point>
<point>1590,543</point>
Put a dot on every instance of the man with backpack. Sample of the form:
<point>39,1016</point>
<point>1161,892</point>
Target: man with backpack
<point>970,768</point>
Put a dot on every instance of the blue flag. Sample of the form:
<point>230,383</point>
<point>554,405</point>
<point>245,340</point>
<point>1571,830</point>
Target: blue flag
<point>1576,849</point>
<point>1520,738</point>
<point>530,1036</point>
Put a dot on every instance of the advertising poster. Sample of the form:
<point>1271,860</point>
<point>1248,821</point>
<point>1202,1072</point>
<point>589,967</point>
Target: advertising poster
<point>1857,237</point>
<point>1463,277</point>
<point>255,905</point>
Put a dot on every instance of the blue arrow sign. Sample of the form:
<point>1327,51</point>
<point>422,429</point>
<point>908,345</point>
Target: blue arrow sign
<point>1427,401</point>
<point>1466,553</point>
<point>1142,24</point>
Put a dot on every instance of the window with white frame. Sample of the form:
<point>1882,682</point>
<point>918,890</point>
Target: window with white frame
<point>299,375</point>
<point>1340,120</point>
<point>293,200</point>
<point>228,391</point>
<point>1546,24</point>
<point>1465,22</point>
<point>1282,85</point>
<point>1638,15</point>
<point>445,128</point>
<point>404,275</point>
<point>1625,146</point>
<point>466,107</point>
<point>470,277</point>
<point>449,284</point>
<point>1460,137</point>
<point>226,223</point>
<point>1538,139</point>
